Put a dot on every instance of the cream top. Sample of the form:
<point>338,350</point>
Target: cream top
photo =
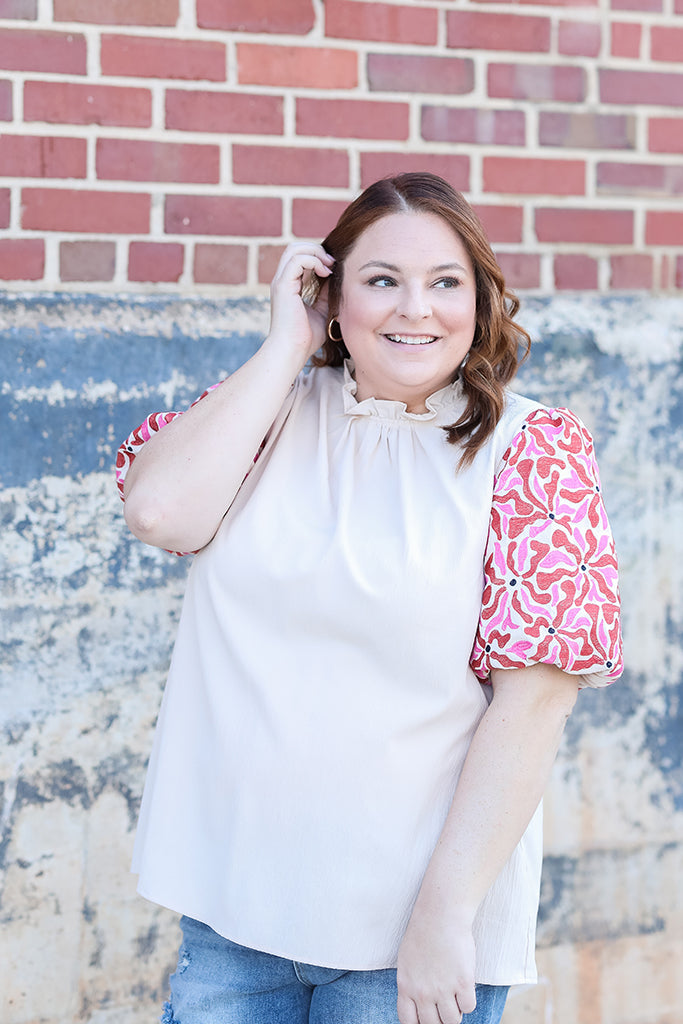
<point>321,700</point>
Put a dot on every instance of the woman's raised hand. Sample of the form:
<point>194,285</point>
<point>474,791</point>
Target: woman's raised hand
<point>293,322</point>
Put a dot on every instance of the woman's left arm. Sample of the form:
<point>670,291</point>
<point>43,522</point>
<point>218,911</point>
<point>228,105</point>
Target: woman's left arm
<point>501,784</point>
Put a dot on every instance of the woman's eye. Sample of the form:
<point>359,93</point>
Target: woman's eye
<point>447,282</point>
<point>382,281</point>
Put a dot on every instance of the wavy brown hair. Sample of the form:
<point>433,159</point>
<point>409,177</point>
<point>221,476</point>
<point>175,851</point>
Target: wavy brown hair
<point>495,353</point>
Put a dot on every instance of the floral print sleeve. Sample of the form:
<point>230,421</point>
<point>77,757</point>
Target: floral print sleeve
<point>550,587</point>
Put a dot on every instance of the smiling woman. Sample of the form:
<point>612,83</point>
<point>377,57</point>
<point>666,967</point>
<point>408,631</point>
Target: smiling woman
<point>404,575</point>
<point>443,218</point>
<point>408,321</point>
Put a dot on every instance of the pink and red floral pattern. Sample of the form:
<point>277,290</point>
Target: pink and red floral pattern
<point>550,590</point>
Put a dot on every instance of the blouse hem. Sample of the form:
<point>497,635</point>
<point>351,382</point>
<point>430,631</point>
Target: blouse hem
<point>486,978</point>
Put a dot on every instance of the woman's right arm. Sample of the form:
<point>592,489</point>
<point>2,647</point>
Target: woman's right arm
<point>184,478</point>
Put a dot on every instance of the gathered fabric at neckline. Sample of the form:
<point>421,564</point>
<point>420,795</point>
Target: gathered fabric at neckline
<point>449,396</point>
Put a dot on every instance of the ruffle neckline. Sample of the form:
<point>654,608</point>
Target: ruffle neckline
<point>393,409</point>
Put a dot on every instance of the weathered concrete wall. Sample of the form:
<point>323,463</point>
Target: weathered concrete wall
<point>88,616</point>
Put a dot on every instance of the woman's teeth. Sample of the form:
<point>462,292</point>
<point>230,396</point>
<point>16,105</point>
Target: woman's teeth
<point>404,339</point>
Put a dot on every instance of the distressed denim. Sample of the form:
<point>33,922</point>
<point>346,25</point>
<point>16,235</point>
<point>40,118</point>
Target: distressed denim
<point>220,982</point>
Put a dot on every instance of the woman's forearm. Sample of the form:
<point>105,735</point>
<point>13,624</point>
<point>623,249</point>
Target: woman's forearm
<point>502,781</point>
<point>501,784</point>
<point>185,477</point>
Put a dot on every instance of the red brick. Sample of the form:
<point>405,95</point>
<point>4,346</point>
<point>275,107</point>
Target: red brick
<point>480,30</point>
<point>579,38</point>
<point>659,88</point>
<point>631,270</point>
<point>586,131</point>
<point>149,57</point>
<point>76,103</point>
<point>637,5</point>
<point>536,82</point>
<point>380,23</point>
<point>5,101</point>
<point>315,218</point>
<point>220,264</point>
<point>118,12</point>
<point>629,178</point>
<point>501,223</point>
<point>33,156</point>
<point>664,227</point>
<point>520,269</point>
<point>454,167</point>
<point>406,73</point>
<point>223,215</point>
<point>557,3</point>
<point>51,209</point>
<point>290,165</point>
<point>87,261</point>
<point>625,39</point>
<point>27,10</point>
<point>4,207</point>
<point>305,67</point>
<point>155,261</point>
<point>137,160</point>
<point>665,276</point>
<point>31,50</point>
<point>296,17</point>
<point>224,112</point>
<point>665,135</point>
<point>678,6</point>
<point>575,271</point>
<point>528,176</point>
<point>22,259</point>
<point>679,271</point>
<point>606,227</point>
<point>268,260</point>
<point>457,124</point>
<point>352,119</point>
<point>666,43</point>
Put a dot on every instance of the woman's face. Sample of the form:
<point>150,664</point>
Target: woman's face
<point>408,307</point>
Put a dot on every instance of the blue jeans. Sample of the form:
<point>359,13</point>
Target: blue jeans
<point>220,982</point>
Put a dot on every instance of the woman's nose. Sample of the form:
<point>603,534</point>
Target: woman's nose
<point>414,304</point>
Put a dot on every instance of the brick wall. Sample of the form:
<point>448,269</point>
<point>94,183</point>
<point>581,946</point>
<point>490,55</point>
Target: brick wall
<point>179,144</point>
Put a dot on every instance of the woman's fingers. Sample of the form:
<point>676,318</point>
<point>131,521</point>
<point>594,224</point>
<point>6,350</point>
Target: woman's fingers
<point>407,1011</point>
<point>449,1011</point>
<point>445,1011</point>
<point>466,1000</point>
<point>301,257</point>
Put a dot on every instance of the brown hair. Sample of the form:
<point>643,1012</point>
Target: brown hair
<point>494,356</point>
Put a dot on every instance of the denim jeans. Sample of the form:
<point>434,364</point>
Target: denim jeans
<point>220,982</point>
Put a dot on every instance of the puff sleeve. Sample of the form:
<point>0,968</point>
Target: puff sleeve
<point>550,570</point>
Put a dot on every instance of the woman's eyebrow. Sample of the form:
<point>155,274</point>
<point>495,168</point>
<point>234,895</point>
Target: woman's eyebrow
<point>447,266</point>
<point>379,263</point>
<point>396,270</point>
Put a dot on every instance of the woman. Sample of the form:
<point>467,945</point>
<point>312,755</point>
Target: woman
<point>405,574</point>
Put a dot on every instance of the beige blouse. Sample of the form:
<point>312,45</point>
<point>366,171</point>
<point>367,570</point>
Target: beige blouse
<point>321,697</point>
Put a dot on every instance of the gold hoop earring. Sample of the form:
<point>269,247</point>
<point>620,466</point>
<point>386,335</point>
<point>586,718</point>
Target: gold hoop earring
<point>330,335</point>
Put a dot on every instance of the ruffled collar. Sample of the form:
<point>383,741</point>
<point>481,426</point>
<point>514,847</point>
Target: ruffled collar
<point>391,409</point>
